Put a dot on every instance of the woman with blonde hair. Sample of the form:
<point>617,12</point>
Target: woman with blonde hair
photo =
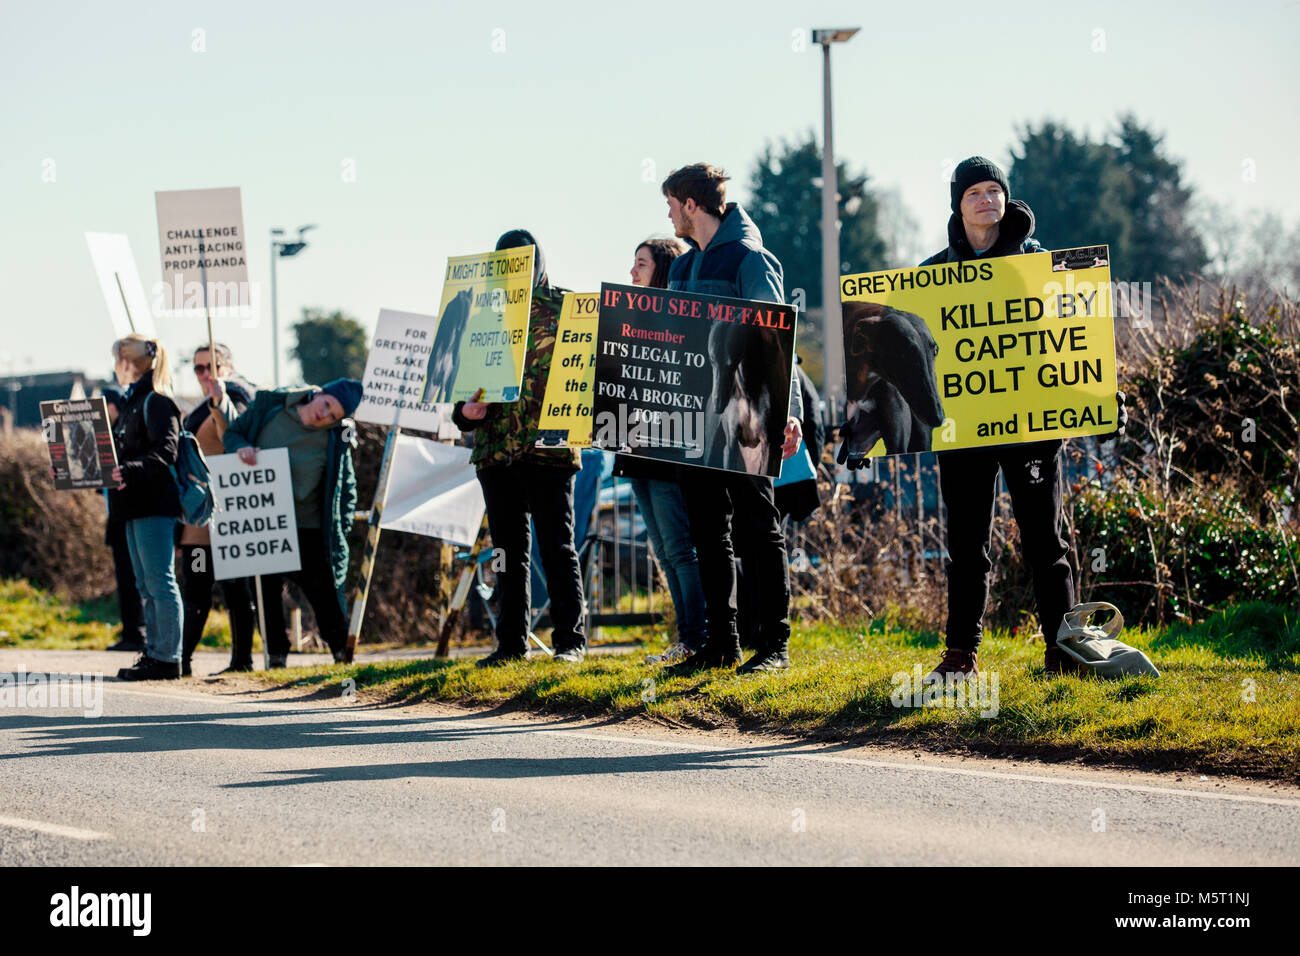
<point>147,433</point>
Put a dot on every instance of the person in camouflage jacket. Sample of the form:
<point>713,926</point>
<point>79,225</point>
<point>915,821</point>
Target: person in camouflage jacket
<point>520,480</point>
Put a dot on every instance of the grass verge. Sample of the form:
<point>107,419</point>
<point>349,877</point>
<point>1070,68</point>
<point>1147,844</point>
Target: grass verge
<point>1227,700</point>
<point>30,617</point>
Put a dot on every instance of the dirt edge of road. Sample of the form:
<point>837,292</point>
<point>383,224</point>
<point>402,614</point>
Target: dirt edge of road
<point>1165,771</point>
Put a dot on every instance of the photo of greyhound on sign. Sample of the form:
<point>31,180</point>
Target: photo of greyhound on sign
<point>892,392</point>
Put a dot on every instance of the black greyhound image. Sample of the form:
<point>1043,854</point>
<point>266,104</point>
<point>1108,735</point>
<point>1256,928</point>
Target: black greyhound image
<point>892,393</point>
<point>444,357</point>
<point>751,387</point>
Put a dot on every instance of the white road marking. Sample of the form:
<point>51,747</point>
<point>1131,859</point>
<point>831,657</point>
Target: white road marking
<point>54,829</point>
<point>823,758</point>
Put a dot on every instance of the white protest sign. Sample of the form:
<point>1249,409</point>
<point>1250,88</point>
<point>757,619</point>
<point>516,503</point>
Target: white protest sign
<point>253,527</point>
<point>433,491</point>
<point>120,283</point>
<point>394,379</point>
<point>213,218</point>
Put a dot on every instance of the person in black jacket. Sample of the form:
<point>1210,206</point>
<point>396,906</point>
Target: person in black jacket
<point>147,433</point>
<point>129,604</point>
<point>987,222</point>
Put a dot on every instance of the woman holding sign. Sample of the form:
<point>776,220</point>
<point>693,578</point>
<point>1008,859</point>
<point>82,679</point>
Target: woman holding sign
<point>146,433</point>
<point>227,396</point>
<point>659,497</point>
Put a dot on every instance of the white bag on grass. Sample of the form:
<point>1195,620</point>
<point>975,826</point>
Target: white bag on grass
<point>1096,648</point>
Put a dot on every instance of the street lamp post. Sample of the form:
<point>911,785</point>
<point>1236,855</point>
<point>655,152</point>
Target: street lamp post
<point>833,329</point>
<point>281,249</point>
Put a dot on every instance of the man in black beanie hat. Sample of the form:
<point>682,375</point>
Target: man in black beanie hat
<point>520,481</point>
<point>987,222</point>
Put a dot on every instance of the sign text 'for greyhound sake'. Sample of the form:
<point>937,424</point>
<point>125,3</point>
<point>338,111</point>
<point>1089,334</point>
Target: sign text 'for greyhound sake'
<point>253,527</point>
<point>482,331</point>
<point>566,406</point>
<point>984,352</point>
<point>394,377</point>
<point>695,379</point>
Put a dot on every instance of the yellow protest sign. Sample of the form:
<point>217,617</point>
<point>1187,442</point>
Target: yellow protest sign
<point>566,405</point>
<point>985,352</point>
<point>482,330</point>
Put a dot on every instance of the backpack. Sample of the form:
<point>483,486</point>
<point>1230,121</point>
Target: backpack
<point>1096,648</point>
<point>193,482</point>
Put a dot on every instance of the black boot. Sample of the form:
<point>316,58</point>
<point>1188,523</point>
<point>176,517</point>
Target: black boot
<point>146,668</point>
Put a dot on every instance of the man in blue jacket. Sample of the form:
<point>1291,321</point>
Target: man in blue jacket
<point>310,423</point>
<point>727,257</point>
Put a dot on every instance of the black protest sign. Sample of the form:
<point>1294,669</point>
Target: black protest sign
<point>80,442</point>
<point>695,379</point>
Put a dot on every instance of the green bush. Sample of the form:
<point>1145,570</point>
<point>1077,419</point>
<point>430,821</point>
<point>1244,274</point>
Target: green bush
<point>1180,556</point>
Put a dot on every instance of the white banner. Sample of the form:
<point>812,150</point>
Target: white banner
<point>253,526</point>
<point>433,491</point>
<point>394,379</point>
<point>120,283</point>
<point>214,217</point>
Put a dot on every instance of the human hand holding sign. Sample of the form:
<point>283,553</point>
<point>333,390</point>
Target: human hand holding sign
<point>793,435</point>
<point>474,409</point>
<point>117,476</point>
<point>248,455</point>
<point>216,391</point>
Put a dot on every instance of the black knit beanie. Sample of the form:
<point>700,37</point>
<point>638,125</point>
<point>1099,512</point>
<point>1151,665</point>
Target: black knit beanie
<point>977,169</point>
<point>517,238</point>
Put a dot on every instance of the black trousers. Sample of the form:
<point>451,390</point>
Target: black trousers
<point>130,604</point>
<point>196,565</point>
<point>735,516</point>
<point>968,480</point>
<point>316,580</point>
<point>513,492</point>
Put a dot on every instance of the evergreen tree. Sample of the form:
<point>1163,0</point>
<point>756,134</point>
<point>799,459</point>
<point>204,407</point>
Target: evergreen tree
<point>329,346</point>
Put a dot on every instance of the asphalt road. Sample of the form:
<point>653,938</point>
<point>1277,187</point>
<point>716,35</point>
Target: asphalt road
<point>174,775</point>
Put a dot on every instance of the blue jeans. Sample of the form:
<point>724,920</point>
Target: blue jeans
<point>153,558</point>
<point>664,512</point>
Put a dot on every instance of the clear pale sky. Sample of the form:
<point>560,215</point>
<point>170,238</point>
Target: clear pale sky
<point>567,127</point>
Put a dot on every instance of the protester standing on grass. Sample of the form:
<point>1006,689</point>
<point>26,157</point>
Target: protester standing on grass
<point>226,396</point>
<point>147,434</point>
<point>986,222</point>
<point>519,479</point>
<point>310,423</point>
<point>726,257</point>
<point>659,497</point>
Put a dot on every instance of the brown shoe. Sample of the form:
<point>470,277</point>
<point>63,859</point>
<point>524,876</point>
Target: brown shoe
<point>957,662</point>
<point>1056,661</point>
